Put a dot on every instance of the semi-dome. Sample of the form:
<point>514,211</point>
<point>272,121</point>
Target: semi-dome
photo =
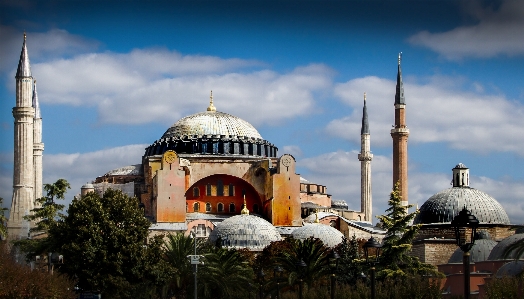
<point>245,231</point>
<point>497,253</point>
<point>445,205</point>
<point>212,132</point>
<point>330,236</point>
<point>479,252</point>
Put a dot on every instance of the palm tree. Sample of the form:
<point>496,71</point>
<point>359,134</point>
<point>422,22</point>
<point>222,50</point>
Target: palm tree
<point>225,274</point>
<point>176,249</point>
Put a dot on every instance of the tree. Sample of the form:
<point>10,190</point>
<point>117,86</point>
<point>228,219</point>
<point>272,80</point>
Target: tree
<point>395,258</point>
<point>104,242</point>
<point>176,249</point>
<point>48,212</point>
<point>3,220</point>
<point>349,268</point>
<point>225,274</point>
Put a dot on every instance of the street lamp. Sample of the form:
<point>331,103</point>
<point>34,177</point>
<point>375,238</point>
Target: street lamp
<point>372,243</point>
<point>333,258</point>
<point>260,276</point>
<point>300,265</point>
<point>460,224</point>
<point>195,261</point>
<point>277,272</point>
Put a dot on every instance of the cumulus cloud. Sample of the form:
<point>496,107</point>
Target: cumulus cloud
<point>340,172</point>
<point>441,110</point>
<point>496,32</point>
<point>41,45</point>
<point>174,85</point>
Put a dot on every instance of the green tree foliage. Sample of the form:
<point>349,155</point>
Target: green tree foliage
<point>312,252</point>
<point>47,211</point>
<point>104,243</point>
<point>225,274</point>
<point>349,267</point>
<point>18,281</point>
<point>3,220</point>
<point>176,249</point>
<point>395,259</point>
<point>505,287</point>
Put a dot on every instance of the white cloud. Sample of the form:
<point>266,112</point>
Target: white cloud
<point>340,172</point>
<point>497,32</point>
<point>174,85</point>
<point>437,111</point>
<point>41,45</point>
<point>293,150</point>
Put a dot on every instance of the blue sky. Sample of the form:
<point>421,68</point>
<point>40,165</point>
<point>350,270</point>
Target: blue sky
<point>112,76</point>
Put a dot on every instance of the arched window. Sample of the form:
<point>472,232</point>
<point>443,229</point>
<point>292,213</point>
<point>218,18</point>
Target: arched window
<point>231,208</point>
<point>220,188</point>
<point>208,189</point>
<point>255,208</point>
<point>333,223</point>
<point>208,207</point>
<point>196,192</point>
<point>196,207</point>
<point>231,190</point>
<point>220,207</point>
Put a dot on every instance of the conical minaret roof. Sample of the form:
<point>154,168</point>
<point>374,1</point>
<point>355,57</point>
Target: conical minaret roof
<point>365,122</point>
<point>24,67</point>
<point>399,95</point>
<point>36,104</point>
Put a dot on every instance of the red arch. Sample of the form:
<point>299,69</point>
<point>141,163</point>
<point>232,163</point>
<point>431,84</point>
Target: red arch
<point>252,196</point>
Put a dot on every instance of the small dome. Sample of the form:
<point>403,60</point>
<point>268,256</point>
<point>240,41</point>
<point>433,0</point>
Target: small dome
<point>126,170</point>
<point>212,123</point>
<point>513,268</point>
<point>330,236</point>
<point>479,252</point>
<point>88,186</point>
<point>498,251</point>
<point>245,231</point>
<point>445,205</point>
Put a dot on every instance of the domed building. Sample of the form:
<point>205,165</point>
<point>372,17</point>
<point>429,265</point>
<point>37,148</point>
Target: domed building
<point>435,242</point>
<point>198,174</point>
<point>330,236</point>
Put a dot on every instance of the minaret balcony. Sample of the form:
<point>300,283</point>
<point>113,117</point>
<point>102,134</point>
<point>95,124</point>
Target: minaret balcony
<point>400,131</point>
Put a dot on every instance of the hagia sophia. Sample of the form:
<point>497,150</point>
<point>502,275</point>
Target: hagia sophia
<point>213,174</point>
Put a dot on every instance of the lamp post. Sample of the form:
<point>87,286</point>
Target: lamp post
<point>333,257</point>
<point>260,276</point>
<point>460,224</point>
<point>195,261</point>
<point>300,265</point>
<point>277,272</point>
<point>372,243</point>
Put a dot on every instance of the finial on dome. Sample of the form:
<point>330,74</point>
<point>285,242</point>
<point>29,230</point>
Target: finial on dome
<point>244,211</point>
<point>316,216</point>
<point>211,107</point>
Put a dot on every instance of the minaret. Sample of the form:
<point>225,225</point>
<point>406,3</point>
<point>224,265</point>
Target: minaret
<point>365,156</point>
<point>23,174</point>
<point>400,135</point>
<point>38,146</point>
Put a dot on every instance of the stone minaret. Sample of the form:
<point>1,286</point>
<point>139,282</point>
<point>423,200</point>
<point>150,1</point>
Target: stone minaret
<point>38,146</point>
<point>400,135</point>
<point>365,156</point>
<point>23,174</point>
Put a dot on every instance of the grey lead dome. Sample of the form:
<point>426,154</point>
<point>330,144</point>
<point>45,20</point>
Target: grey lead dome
<point>330,236</point>
<point>212,123</point>
<point>245,231</point>
<point>445,205</point>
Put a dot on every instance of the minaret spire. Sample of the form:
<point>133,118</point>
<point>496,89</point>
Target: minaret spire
<point>365,156</point>
<point>38,146</point>
<point>23,172</point>
<point>400,135</point>
<point>211,107</point>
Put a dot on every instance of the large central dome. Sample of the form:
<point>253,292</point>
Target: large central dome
<point>212,123</point>
<point>212,133</point>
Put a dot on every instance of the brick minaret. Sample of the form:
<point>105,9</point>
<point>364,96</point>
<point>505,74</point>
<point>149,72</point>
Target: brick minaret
<point>38,146</point>
<point>23,174</point>
<point>400,135</point>
<point>365,156</point>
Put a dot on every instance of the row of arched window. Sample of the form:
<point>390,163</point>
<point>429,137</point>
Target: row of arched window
<point>229,190</point>
<point>220,207</point>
